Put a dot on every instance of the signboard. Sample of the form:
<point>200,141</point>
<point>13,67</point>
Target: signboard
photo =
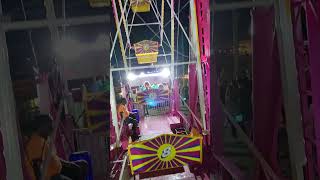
<point>166,151</point>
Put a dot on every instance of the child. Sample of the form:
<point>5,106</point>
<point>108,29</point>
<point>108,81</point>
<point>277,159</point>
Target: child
<point>128,119</point>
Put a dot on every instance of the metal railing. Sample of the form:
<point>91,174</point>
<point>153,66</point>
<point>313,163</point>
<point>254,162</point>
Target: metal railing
<point>156,109</point>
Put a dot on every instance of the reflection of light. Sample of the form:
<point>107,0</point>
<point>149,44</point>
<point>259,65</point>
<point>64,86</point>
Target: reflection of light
<point>164,73</point>
<point>131,76</point>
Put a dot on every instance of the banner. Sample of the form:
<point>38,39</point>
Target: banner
<point>166,151</point>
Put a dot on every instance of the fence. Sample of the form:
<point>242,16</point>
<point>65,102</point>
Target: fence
<point>154,109</point>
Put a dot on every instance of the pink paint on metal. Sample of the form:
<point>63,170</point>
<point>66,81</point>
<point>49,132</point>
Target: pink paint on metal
<point>3,170</point>
<point>313,21</point>
<point>308,65</point>
<point>203,17</point>
<point>267,97</point>
<point>176,100</point>
<point>303,84</point>
<point>193,93</point>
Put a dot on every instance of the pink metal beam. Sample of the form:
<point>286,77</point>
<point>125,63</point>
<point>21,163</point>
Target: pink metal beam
<point>308,65</point>
<point>203,18</point>
<point>176,100</point>
<point>267,98</point>
<point>193,92</point>
<point>313,26</point>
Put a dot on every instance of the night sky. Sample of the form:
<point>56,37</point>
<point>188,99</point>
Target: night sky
<point>144,33</point>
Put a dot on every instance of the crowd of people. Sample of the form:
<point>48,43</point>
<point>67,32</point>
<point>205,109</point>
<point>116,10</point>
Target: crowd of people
<point>236,97</point>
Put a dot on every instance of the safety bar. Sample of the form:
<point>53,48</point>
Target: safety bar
<point>192,113</point>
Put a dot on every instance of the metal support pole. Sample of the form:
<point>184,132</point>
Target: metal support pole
<point>235,20</point>
<point>118,25</point>
<point>8,121</point>
<point>34,24</point>
<point>64,14</point>
<point>114,110</point>
<point>51,16</point>
<point>240,5</point>
<point>143,24</point>
<point>290,88</point>
<point>154,66</point>
<point>125,24</point>
<point>195,40</point>
<point>172,42</point>
<point>162,22</point>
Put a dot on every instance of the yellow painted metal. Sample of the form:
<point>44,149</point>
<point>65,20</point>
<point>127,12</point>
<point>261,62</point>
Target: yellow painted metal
<point>166,151</point>
<point>123,52</point>
<point>162,22</point>
<point>147,58</point>
<point>86,98</point>
<point>100,3</point>
<point>140,6</point>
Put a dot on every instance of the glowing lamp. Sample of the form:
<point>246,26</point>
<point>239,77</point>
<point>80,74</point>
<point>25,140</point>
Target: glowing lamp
<point>131,77</point>
<point>165,72</point>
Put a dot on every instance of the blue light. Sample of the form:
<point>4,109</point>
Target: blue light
<point>151,103</point>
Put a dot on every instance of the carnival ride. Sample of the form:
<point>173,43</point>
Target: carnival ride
<point>166,142</point>
<point>290,34</point>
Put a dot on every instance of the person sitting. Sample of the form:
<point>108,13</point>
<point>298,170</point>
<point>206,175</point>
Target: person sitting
<point>128,118</point>
<point>37,149</point>
<point>123,112</point>
<point>133,127</point>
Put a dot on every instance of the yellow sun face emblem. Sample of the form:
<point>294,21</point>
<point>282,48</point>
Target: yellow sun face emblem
<point>166,152</point>
<point>146,47</point>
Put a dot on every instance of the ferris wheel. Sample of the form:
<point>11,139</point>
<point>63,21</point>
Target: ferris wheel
<point>147,51</point>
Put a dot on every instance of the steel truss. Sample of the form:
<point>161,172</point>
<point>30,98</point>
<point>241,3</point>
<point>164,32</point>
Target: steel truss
<point>121,21</point>
<point>306,24</point>
<point>288,37</point>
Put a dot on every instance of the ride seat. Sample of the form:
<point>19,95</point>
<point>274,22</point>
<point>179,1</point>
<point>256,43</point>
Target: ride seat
<point>84,155</point>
